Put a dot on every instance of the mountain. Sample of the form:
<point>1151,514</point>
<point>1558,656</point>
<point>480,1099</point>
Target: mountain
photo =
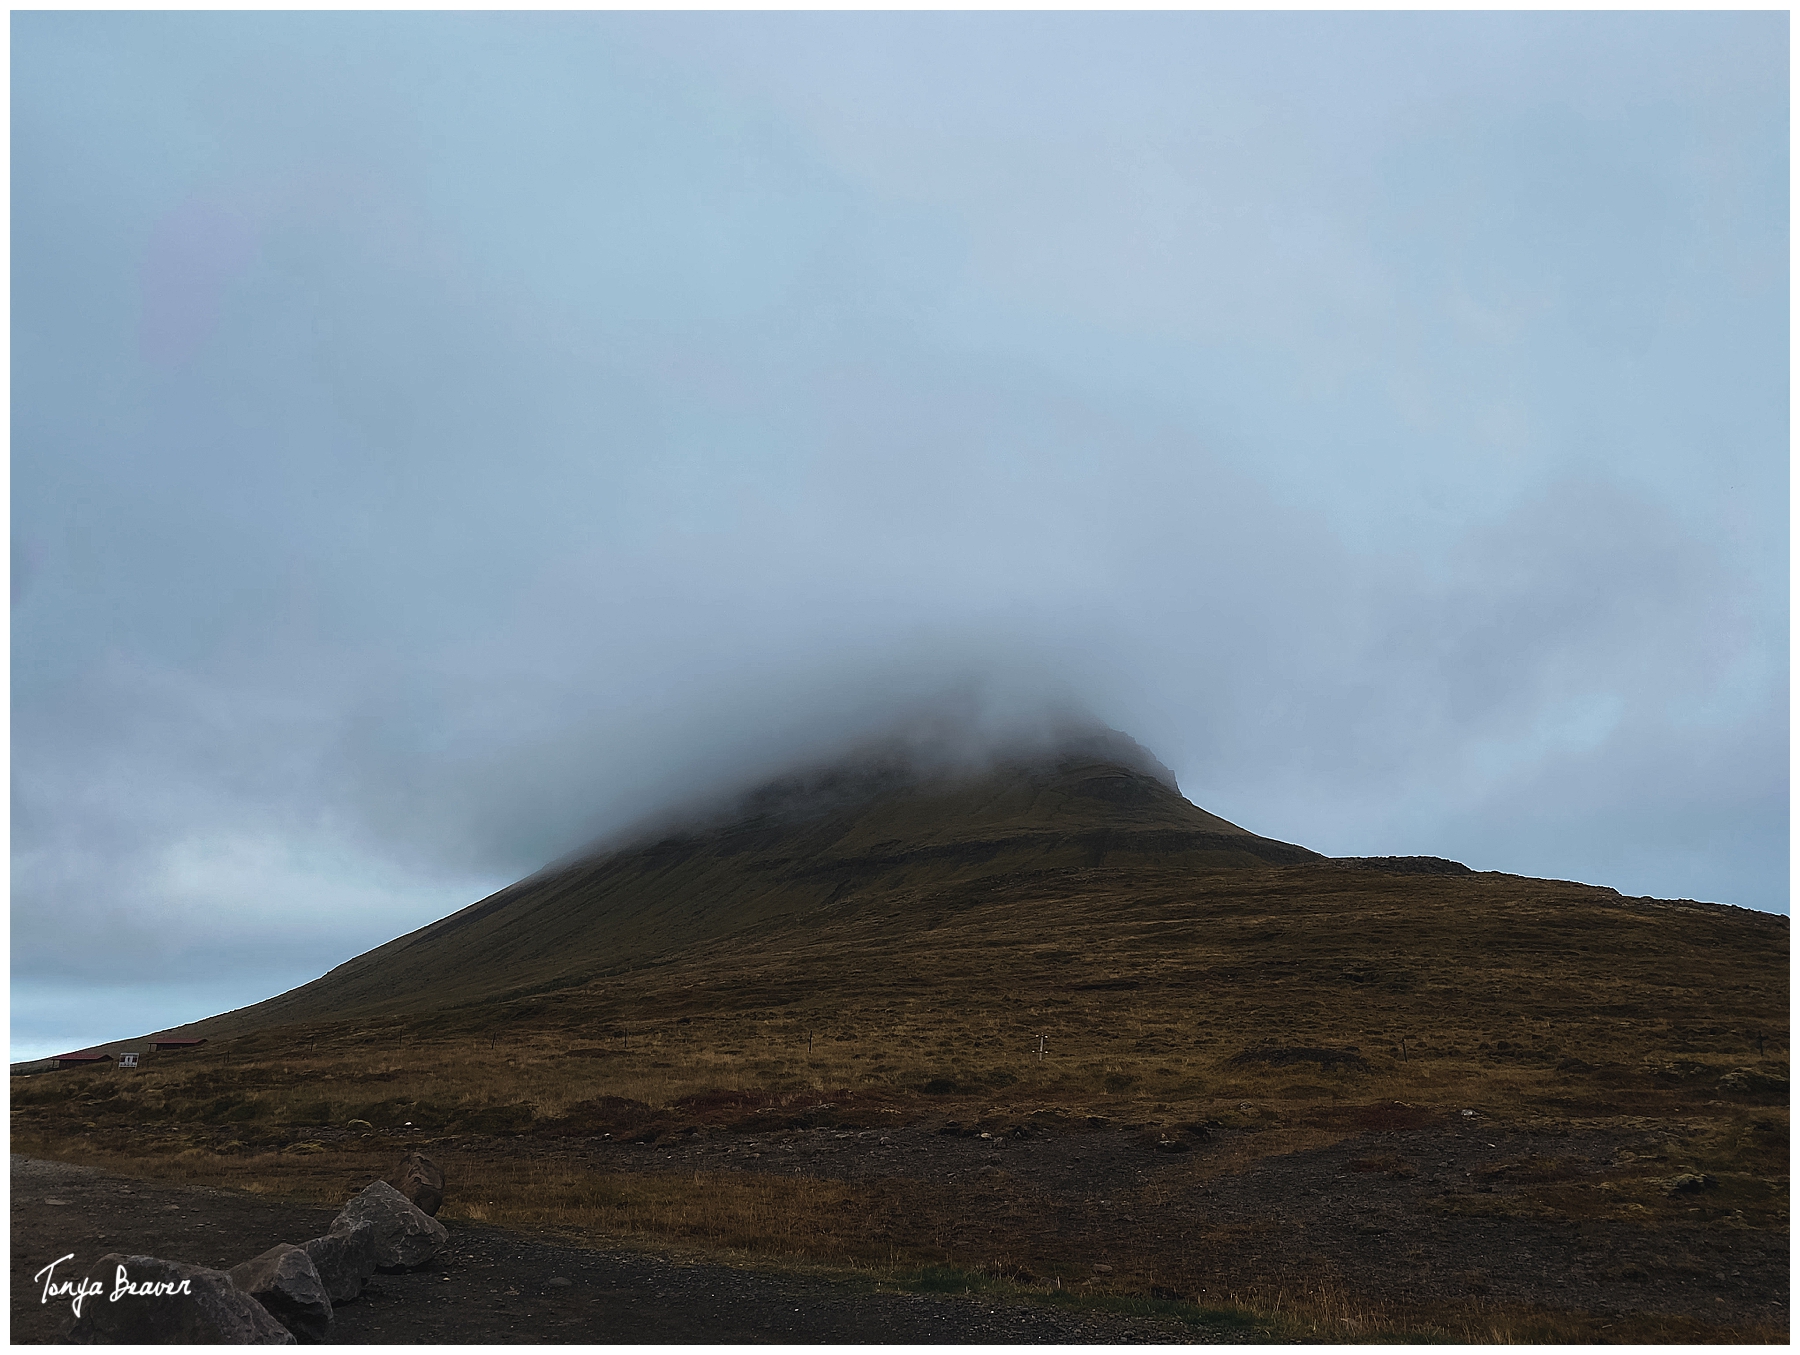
<point>894,820</point>
<point>1030,1018</point>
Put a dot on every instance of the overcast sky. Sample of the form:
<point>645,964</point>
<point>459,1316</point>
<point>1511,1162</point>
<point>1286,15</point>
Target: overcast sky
<point>438,439</point>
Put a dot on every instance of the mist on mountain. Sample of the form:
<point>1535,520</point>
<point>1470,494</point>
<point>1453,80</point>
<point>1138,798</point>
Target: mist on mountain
<point>444,441</point>
<point>954,736</point>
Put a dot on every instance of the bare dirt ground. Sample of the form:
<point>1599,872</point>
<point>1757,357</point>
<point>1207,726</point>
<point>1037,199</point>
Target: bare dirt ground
<point>1445,1214</point>
<point>1465,1214</point>
<point>488,1285</point>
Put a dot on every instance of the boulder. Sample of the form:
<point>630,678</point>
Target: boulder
<point>421,1180</point>
<point>170,1303</point>
<point>285,1281</point>
<point>404,1237</point>
<point>344,1258</point>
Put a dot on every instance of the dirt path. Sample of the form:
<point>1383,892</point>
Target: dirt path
<point>492,1286</point>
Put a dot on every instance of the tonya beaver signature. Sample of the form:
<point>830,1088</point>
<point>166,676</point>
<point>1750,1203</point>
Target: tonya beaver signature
<point>77,1291</point>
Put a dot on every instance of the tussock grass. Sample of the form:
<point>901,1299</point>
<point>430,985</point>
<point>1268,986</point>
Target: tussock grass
<point>824,1226</point>
<point>1541,1006</point>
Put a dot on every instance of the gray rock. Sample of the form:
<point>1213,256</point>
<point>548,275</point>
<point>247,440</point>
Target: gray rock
<point>285,1281</point>
<point>421,1180</point>
<point>344,1258</point>
<point>404,1237</point>
<point>171,1303</point>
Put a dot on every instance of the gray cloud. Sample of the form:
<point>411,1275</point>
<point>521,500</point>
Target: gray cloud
<point>441,440</point>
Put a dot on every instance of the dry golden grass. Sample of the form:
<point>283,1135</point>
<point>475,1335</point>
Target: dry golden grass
<point>901,1233</point>
<point>1562,980</point>
<point>1545,1007</point>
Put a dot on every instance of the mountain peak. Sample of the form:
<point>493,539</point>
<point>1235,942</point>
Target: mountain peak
<point>934,758</point>
<point>922,814</point>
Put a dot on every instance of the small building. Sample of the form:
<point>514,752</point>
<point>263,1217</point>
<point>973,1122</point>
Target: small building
<point>83,1059</point>
<point>170,1046</point>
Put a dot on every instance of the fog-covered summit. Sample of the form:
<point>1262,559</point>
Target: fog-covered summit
<point>941,748</point>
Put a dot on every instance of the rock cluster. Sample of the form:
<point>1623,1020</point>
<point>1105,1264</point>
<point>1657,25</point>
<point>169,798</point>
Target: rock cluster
<point>280,1297</point>
<point>171,1303</point>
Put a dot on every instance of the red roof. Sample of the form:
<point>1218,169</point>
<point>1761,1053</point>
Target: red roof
<point>80,1058</point>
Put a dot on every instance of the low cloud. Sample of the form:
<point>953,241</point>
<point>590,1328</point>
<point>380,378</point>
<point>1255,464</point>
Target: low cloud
<point>552,432</point>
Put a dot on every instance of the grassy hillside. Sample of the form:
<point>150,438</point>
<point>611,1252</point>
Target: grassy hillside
<point>801,853</point>
<point>1145,982</point>
<point>1073,957</point>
